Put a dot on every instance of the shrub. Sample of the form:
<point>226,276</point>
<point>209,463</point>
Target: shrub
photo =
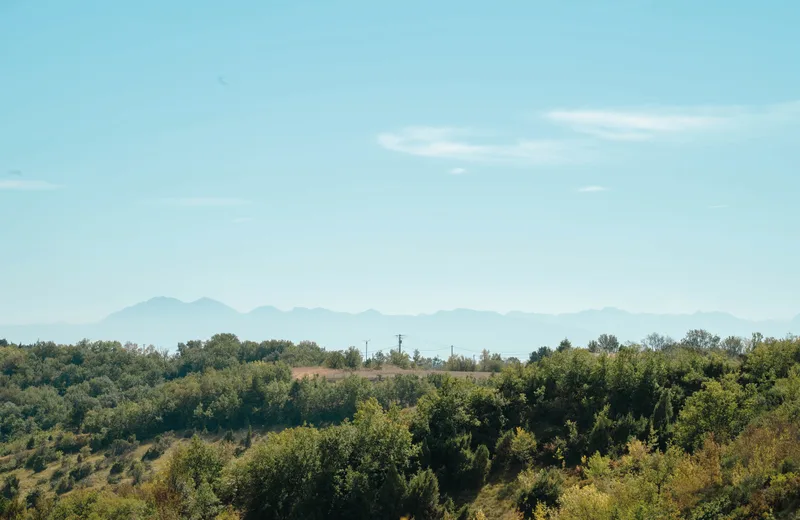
<point>541,486</point>
<point>137,472</point>
<point>335,360</point>
<point>68,442</point>
<point>586,503</point>
<point>399,359</point>
<point>352,358</point>
<point>64,485</point>
<point>160,445</point>
<point>80,472</point>
<point>121,447</point>
<point>481,465</point>
<point>515,447</point>
<point>40,458</point>
<point>10,488</point>
<point>523,446</point>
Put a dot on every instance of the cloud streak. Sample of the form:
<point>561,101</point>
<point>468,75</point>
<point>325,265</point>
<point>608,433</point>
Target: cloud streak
<point>594,129</point>
<point>456,143</point>
<point>458,171</point>
<point>592,189</point>
<point>202,202</point>
<point>647,124</point>
<point>26,185</point>
<point>630,126</point>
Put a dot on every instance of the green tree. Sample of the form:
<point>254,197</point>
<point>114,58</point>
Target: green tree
<point>352,358</point>
<point>422,500</point>
<point>720,408</point>
<point>335,360</point>
<point>481,465</point>
<point>608,343</point>
<point>392,494</point>
<point>701,339</point>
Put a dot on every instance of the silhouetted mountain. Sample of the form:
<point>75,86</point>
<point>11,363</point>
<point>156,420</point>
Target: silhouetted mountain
<point>167,321</point>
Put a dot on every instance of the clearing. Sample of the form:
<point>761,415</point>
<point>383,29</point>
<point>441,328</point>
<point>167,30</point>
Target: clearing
<point>334,374</point>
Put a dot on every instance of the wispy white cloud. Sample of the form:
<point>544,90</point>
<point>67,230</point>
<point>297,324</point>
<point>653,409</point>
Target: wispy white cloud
<point>592,189</point>
<point>590,128</point>
<point>454,143</point>
<point>649,123</point>
<point>242,220</point>
<point>718,206</point>
<point>629,126</point>
<point>202,202</point>
<point>458,171</point>
<point>26,185</point>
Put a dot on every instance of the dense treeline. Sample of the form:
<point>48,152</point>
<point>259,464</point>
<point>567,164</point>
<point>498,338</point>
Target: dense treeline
<point>108,391</point>
<point>701,428</point>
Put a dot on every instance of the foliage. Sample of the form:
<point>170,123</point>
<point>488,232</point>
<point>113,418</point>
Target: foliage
<point>702,428</point>
<point>543,486</point>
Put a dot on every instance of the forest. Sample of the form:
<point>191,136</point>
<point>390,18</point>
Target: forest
<point>699,428</point>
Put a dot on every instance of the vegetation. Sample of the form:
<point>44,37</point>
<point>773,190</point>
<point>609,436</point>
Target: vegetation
<point>701,428</point>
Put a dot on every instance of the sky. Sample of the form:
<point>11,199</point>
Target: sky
<point>403,156</point>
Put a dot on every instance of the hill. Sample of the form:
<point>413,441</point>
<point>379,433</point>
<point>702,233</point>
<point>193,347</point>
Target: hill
<point>227,430</point>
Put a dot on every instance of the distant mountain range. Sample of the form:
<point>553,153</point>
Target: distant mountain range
<point>165,322</point>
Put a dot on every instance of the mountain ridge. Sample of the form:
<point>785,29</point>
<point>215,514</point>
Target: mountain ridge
<point>166,321</point>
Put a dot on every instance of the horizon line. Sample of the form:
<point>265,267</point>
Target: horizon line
<point>373,310</point>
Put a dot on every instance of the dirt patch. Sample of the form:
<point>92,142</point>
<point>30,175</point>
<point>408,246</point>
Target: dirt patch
<point>372,374</point>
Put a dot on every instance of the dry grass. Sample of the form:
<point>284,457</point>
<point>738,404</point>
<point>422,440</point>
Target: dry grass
<point>334,374</point>
<point>496,501</point>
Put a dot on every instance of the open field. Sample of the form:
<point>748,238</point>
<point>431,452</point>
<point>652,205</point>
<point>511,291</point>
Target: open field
<point>371,374</point>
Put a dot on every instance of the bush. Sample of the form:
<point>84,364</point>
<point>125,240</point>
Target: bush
<point>68,442</point>
<point>543,486</point>
<point>64,485</point>
<point>587,503</point>
<point>460,364</point>
<point>33,497</point>
<point>523,446</point>
<point>334,360</point>
<point>378,360</point>
<point>121,447</point>
<point>352,358</point>
<point>40,458</point>
<point>10,488</point>
<point>399,359</point>
<point>160,445</point>
<point>137,472</point>
<point>515,448</point>
<point>481,465</point>
<point>81,472</point>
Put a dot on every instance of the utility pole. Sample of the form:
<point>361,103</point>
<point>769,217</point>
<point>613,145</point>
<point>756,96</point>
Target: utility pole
<point>399,343</point>
<point>451,350</point>
<point>366,349</point>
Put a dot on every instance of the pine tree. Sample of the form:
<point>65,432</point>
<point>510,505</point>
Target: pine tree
<point>392,494</point>
<point>248,441</point>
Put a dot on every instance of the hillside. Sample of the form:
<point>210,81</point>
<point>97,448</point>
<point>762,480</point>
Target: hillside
<point>229,429</point>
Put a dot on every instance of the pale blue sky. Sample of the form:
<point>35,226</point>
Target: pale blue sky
<point>636,154</point>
